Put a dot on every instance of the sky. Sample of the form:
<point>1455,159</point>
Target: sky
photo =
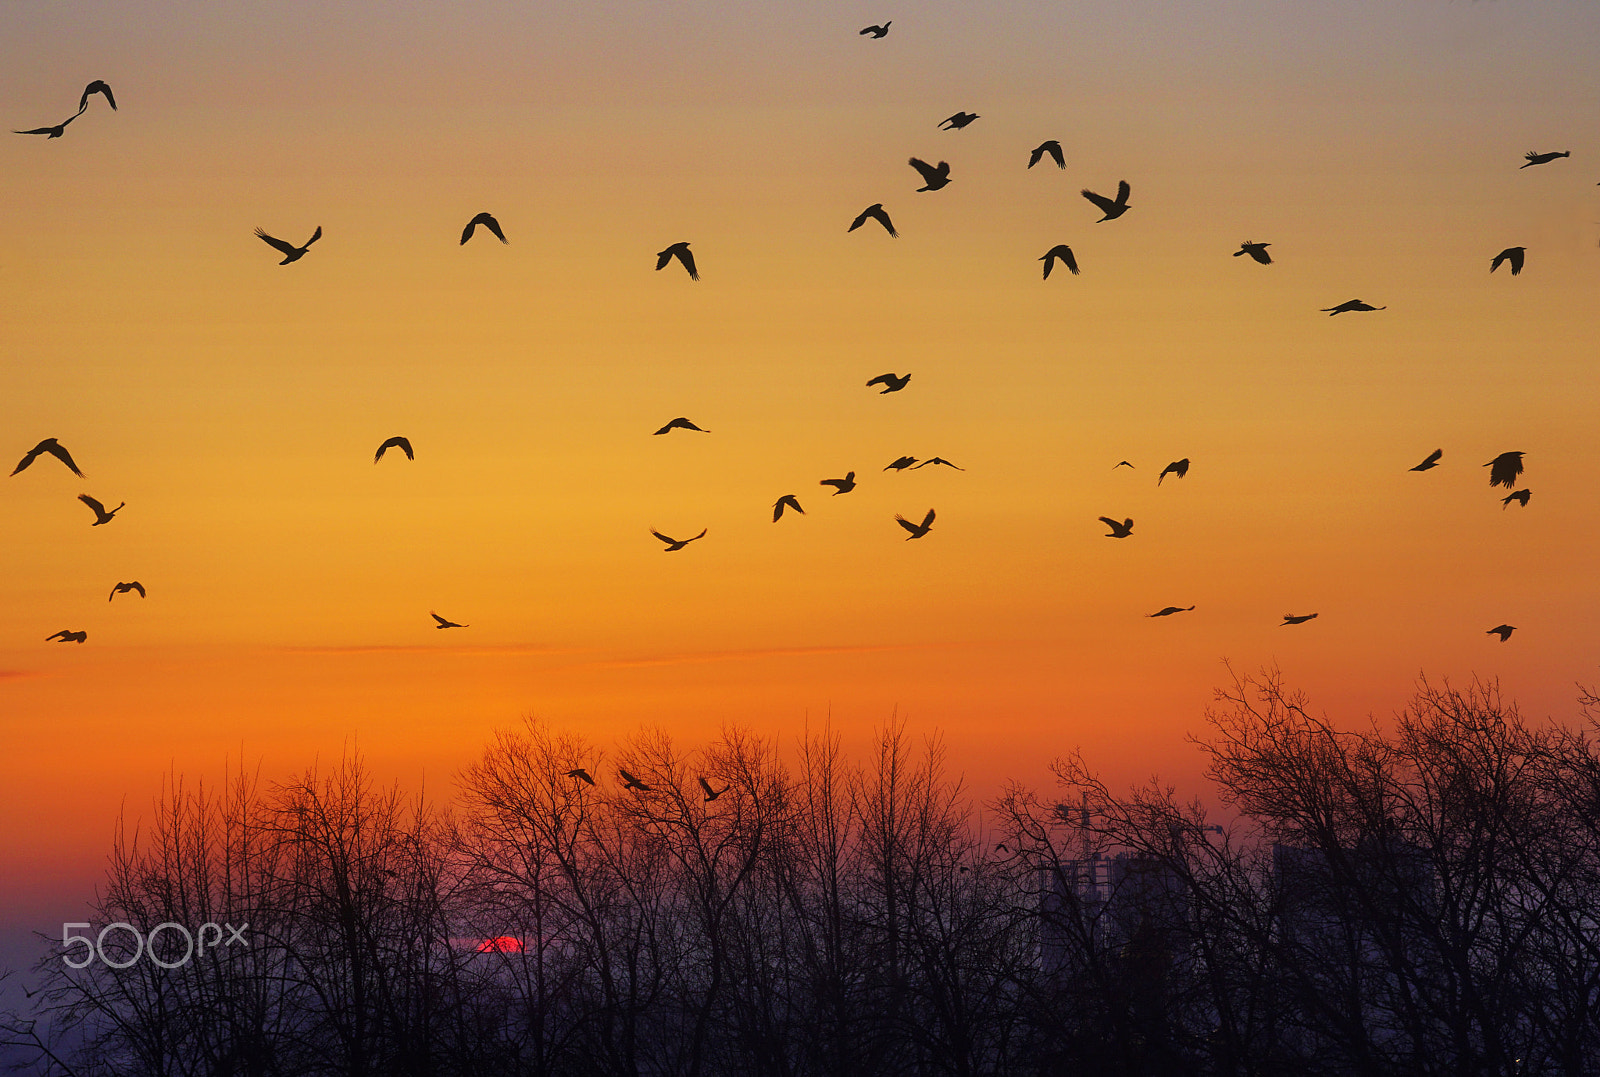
<point>235,404</point>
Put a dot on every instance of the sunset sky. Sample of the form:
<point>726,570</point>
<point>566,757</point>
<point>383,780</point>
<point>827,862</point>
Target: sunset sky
<point>235,404</point>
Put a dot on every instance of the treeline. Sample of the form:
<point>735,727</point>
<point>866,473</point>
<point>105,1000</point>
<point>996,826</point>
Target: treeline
<point>1418,901</point>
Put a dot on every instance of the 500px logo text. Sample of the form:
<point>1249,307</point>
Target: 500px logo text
<point>144,944</point>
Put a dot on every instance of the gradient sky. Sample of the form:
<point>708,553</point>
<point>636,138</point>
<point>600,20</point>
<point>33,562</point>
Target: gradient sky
<point>235,404</point>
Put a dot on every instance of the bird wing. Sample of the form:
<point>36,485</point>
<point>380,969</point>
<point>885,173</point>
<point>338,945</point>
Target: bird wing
<point>472,226</point>
<point>929,173</point>
<point>927,521</point>
<point>707,787</point>
<point>1123,190</point>
<point>314,236</point>
<point>1501,257</point>
<point>881,379</point>
<point>687,259</point>
<point>1259,253</point>
<point>1434,456</point>
<point>1109,522</point>
<point>905,523</point>
<point>662,258</point>
<point>861,218</point>
<point>1106,205</point>
<point>442,622</point>
<point>40,130</point>
<point>1067,259</point>
<point>137,586</point>
<point>405,447</point>
<point>60,453</point>
<point>701,535</point>
<point>665,538</point>
<point>1516,260</point>
<point>492,225</point>
<point>882,217</point>
<point>1033,158</point>
<point>99,509</point>
<point>278,244</point>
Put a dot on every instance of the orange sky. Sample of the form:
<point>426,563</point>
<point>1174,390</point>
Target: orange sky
<point>235,404</point>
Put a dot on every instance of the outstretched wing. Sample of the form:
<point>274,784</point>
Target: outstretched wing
<point>277,244</point>
<point>687,258</point>
<point>99,509</point>
<point>905,523</point>
<point>442,622</point>
<point>1123,190</point>
<point>60,453</point>
<point>707,787</point>
<point>927,521</point>
<point>929,173</point>
<point>97,86</point>
<point>878,214</point>
<point>1109,522</point>
<point>1104,204</point>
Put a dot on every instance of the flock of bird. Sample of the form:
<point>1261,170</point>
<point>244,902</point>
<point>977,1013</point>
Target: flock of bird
<point>1504,469</point>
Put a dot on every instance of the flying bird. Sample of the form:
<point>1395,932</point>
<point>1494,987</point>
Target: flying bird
<point>1170,610</point>
<point>917,530</point>
<point>873,212</point>
<point>680,251</point>
<point>1050,146</point>
<point>841,486</point>
<point>290,252</point>
<point>444,623</point>
<point>710,793</point>
<point>1111,209</point>
<point>938,460</point>
<point>1120,463</point>
<point>786,501</point>
<point>1062,253</point>
<point>878,31</point>
<point>124,588</point>
<point>958,121</point>
<point>1431,462</point>
<point>680,423</point>
<point>1258,251</point>
<point>488,221</point>
<point>1504,469</point>
<point>1118,530</point>
<point>1349,305</point>
<point>396,442</point>
<point>1544,158</point>
<point>1519,496</point>
<point>932,178</point>
<point>1504,631</point>
<point>674,545</point>
<point>1513,255</point>
<point>68,636</point>
<point>96,87</point>
<point>901,464</point>
<point>55,449</point>
<point>1291,619</point>
<point>891,382</point>
<point>52,132</point>
<point>630,782</point>
<point>101,516</point>
<point>579,772</point>
<point>1179,468</point>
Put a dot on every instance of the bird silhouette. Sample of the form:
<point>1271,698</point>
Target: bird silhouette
<point>52,132</point>
<point>1504,469</point>
<point>958,121</point>
<point>873,212</point>
<point>444,623</point>
<point>932,178</point>
<point>1050,146</point>
<point>878,31</point>
<point>1291,619</point>
<point>124,588</point>
<point>1350,305</point>
<point>891,382</point>
<point>1544,158</point>
<point>901,464</point>
<point>1062,253</point>
<point>630,782</point>
<point>1179,468</point>
<point>786,501</point>
<point>674,545</point>
<point>1111,209</point>
<point>290,252</point>
<point>1519,496</point>
<point>841,486</point>
<point>917,530</point>
<point>1431,462</point>
<point>396,442</point>
<point>66,635</point>
<point>680,423</point>
<point>101,516</point>
<point>96,87</point>
<point>1170,610</point>
<point>1514,255</point>
<point>1258,251</point>
<point>488,221</point>
<point>712,794</point>
<point>1120,463</point>
<point>680,251</point>
<point>1503,631</point>
<point>1118,530</point>
<point>937,460</point>
<point>579,772</point>
<point>55,449</point>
